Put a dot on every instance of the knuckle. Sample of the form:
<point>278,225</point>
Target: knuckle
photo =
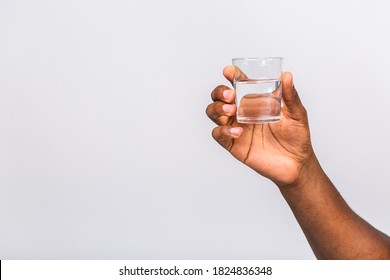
<point>214,110</point>
<point>207,111</point>
<point>216,94</point>
<point>215,132</point>
<point>210,110</point>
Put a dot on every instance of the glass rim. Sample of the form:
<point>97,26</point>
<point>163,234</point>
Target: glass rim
<point>257,58</point>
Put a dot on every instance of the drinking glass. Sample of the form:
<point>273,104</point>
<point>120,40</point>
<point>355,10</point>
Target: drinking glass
<point>258,86</point>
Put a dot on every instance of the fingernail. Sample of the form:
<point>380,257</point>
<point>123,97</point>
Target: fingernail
<point>227,108</point>
<point>235,131</point>
<point>227,93</point>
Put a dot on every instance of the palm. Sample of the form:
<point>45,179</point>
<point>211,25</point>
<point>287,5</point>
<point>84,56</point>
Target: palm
<point>274,150</point>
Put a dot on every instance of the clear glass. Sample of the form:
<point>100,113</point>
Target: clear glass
<point>258,86</point>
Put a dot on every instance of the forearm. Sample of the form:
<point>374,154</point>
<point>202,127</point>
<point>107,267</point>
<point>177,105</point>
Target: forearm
<point>332,229</point>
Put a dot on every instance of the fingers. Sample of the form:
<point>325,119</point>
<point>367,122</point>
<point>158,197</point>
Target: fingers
<point>293,106</point>
<point>225,134</point>
<point>222,109</point>
<point>220,112</point>
<point>230,72</point>
<point>223,93</point>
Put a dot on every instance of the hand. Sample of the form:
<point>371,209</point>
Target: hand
<point>278,151</point>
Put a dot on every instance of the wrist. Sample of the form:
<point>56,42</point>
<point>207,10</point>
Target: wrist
<point>309,172</point>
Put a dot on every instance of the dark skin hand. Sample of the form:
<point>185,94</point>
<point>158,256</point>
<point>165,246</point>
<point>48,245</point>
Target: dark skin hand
<point>278,150</point>
<point>283,152</point>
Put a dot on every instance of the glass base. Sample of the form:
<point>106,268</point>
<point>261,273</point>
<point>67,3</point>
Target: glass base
<point>258,120</point>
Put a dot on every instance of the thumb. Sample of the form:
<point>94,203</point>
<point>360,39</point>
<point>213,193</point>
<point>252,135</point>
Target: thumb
<point>293,107</point>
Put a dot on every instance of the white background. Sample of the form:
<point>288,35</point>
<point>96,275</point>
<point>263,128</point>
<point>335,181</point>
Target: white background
<point>105,149</point>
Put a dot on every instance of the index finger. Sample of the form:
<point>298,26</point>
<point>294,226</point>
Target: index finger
<point>230,72</point>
